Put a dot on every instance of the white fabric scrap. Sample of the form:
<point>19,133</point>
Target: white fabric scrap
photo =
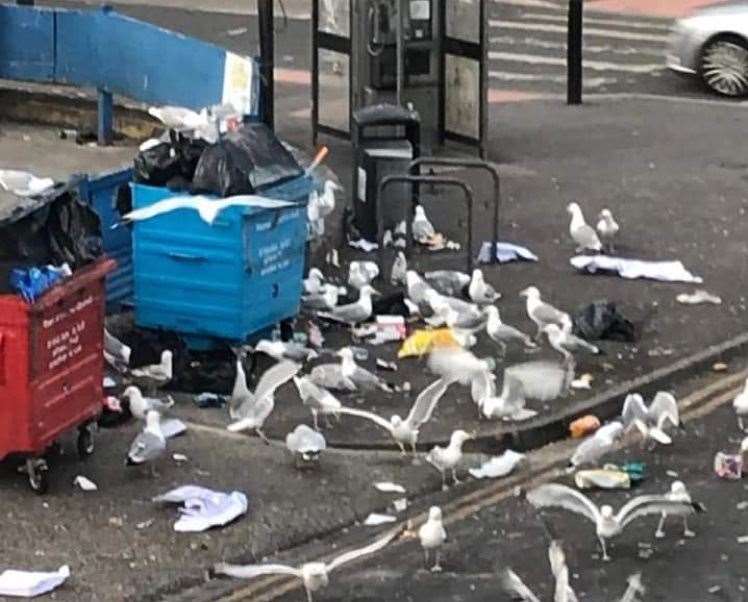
<point>505,252</point>
<point>364,245</point>
<point>23,183</point>
<point>204,508</point>
<point>28,584</point>
<point>375,519</point>
<point>388,487</point>
<point>664,271</point>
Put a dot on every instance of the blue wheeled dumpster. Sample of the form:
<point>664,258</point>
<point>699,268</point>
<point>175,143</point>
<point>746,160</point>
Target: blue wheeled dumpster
<point>101,192</point>
<point>223,283</point>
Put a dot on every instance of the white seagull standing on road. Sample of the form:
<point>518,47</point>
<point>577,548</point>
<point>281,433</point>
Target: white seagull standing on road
<point>607,228</point>
<point>542,313</point>
<point>501,333</point>
<point>353,313</point>
<point>150,443</point>
<point>651,421</point>
<point>597,445</point>
<point>479,291</point>
<point>449,457</point>
<point>433,535</point>
<point>423,229</point>
<point>317,399</point>
<point>607,524</point>
<point>565,342</point>
<point>678,493</point>
<point>583,234</point>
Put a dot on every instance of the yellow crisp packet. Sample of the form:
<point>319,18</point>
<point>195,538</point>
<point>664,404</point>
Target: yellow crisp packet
<point>422,342</point>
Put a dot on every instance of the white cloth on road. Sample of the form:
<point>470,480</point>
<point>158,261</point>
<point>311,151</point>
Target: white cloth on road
<point>29,584</point>
<point>204,508</point>
<point>505,252</point>
<point>664,271</point>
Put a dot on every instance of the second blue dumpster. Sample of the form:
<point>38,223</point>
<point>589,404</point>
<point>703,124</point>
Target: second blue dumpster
<point>223,283</point>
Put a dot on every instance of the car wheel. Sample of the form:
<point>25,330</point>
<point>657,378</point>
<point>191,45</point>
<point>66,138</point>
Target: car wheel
<point>724,66</point>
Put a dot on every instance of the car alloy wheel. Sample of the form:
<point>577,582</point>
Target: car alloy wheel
<point>724,67</point>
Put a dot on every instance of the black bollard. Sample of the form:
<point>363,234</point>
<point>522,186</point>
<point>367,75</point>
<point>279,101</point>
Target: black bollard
<point>574,54</point>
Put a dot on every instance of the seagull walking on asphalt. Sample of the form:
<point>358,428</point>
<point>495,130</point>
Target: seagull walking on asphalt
<point>542,313</point>
<point>154,376</point>
<point>481,292</point>
<point>423,229</point>
<point>140,406</point>
<point>597,445</point>
<point>314,575</point>
<point>353,313</point>
<point>433,536</point>
<point>607,228</point>
<point>317,399</point>
<point>325,299</point>
<point>150,443</point>
<point>651,421</point>
<point>501,333</point>
<point>454,312</point>
<point>448,458</point>
<point>448,282</point>
<point>740,405</point>
<point>678,493</point>
<point>347,375</point>
<point>282,350</point>
<point>583,235</point>
<point>254,408</point>
<point>608,524</point>
<point>405,431</point>
<point>566,343</point>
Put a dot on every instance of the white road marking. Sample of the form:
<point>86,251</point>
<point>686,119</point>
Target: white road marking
<point>539,43</point>
<point>606,22</point>
<point>500,24</point>
<point>589,82</point>
<point>531,4</point>
<point>535,59</point>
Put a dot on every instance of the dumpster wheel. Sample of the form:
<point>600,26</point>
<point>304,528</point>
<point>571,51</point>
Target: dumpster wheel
<point>38,474</point>
<point>85,441</point>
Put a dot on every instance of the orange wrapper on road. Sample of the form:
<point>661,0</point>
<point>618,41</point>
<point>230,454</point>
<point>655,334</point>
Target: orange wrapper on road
<point>586,425</point>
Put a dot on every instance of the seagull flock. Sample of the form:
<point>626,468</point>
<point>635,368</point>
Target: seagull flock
<point>466,304</point>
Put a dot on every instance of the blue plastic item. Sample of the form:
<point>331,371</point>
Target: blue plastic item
<point>100,191</point>
<point>222,283</point>
<point>32,283</point>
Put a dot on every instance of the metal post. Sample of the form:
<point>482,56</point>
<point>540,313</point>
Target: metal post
<point>105,118</point>
<point>267,60</point>
<point>25,2</point>
<point>574,53</point>
<point>400,55</point>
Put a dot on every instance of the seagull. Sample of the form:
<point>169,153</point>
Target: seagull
<point>607,227</point>
<point>541,380</point>
<point>448,458</point>
<point>651,421</point>
<point>179,118</point>
<point>207,207</point>
<point>479,291</point>
<point>325,299</point>
<point>677,493</point>
<point>140,406</point>
<point>399,269</point>
<point>321,205</point>
<point>633,589</point>
<point>156,375</point>
<point>557,559</point>
<point>305,443</point>
<point>353,313</point>
<point>543,313</point>
<point>313,282</point>
<point>433,535</point>
<point>607,524</point>
<point>346,376</point>
<point>597,445</point>
<point>256,407</point>
<point>501,333</point>
<point>448,282</point>
<point>416,287</point>
<point>565,342</point>
<point>455,363</point>
<point>149,444</point>
<point>423,229</point>
<point>116,353</point>
<point>314,575</point>
<point>516,588</point>
<point>453,312</point>
<point>280,350</point>
<point>361,273</point>
<point>405,432</point>
<point>317,399</point>
<point>583,235</point>
<point>740,405</point>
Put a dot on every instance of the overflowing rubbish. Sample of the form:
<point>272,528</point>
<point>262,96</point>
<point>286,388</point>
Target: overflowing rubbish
<point>32,283</point>
<point>29,584</point>
<point>698,297</point>
<point>664,271</point>
<point>505,252</point>
<point>23,183</point>
<point>601,320</point>
<point>202,508</point>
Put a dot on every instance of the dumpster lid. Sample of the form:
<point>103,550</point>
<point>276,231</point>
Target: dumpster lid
<point>385,114</point>
<point>14,208</point>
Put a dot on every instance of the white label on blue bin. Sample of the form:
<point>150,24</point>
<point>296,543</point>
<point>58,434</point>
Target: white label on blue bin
<point>274,257</point>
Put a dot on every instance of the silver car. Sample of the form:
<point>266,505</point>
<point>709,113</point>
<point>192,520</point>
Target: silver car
<point>713,44</point>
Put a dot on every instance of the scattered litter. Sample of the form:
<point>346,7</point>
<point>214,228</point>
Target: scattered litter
<point>145,524</point>
<point>204,508</point>
<point>374,519</point>
<point>29,584</point>
<point>743,539</point>
<point>601,320</point>
<point>209,400</point>
<point>179,458</point>
<point>386,329</point>
<point>728,466</point>
<point>173,427</point>
<point>239,31</point>
<point>584,426</point>
<point>422,342</point>
<point>697,297</point>
<point>23,183</point>
<point>499,466</point>
<point>364,245</point>
<point>385,365</point>
<point>714,589</point>
<point>84,483</point>
<point>505,252</point>
<point>400,504</point>
<point>742,505</point>
<point>660,352</point>
<point>672,474</point>
<point>602,478</point>
<point>583,382</point>
<point>387,487</point>
<point>664,271</point>
<point>109,382</point>
<point>720,367</point>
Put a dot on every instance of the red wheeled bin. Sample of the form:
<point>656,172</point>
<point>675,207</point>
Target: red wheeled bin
<point>52,368</point>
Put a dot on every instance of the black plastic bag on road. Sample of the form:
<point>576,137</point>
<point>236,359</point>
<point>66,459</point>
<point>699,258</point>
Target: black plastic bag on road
<point>601,320</point>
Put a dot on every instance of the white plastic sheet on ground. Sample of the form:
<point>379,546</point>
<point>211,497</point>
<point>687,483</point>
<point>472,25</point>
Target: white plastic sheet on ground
<point>664,271</point>
<point>23,183</point>
<point>505,252</point>
<point>28,584</point>
<point>204,508</point>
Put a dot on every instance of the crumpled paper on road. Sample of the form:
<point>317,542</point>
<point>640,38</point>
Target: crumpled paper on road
<point>204,508</point>
<point>664,271</point>
<point>505,252</point>
<point>29,584</point>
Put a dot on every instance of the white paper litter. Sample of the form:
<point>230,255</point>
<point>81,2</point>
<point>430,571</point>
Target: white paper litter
<point>583,382</point>
<point>204,508</point>
<point>505,252</point>
<point>375,519</point>
<point>179,458</point>
<point>400,504</point>
<point>84,483</point>
<point>173,427</point>
<point>109,382</point>
<point>498,466</point>
<point>28,584</point>
<point>664,271</point>
<point>364,245</point>
<point>697,297</point>
<point>743,539</point>
<point>23,183</point>
<point>387,487</point>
